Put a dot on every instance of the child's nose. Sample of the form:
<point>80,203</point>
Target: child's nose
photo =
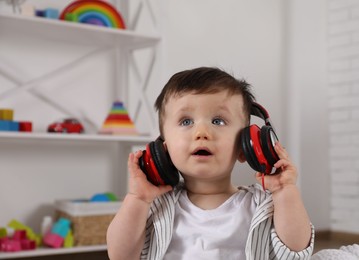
<point>202,132</point>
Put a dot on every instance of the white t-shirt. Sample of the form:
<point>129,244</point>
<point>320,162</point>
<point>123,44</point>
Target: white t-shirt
<point>219,233</point>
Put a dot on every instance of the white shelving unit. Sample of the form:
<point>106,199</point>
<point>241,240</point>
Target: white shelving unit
<point>80,33</point>
<point>48,148</point>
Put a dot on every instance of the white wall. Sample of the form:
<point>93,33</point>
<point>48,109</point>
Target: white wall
<point>343,109</point>
<point>307,103</point>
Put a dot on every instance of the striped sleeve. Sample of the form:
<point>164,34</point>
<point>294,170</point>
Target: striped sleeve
<point>278,250</point>
<point>159,225</point>
<point>263,241</point>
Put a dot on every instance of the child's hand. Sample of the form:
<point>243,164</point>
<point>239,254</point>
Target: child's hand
<point>139,186</point>
<point>285,174</point>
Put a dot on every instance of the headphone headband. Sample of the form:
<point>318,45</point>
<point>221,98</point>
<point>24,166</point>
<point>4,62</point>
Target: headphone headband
<point>259,111</point>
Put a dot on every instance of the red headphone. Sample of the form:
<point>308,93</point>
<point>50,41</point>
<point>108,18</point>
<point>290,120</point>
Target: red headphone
<point>256,143</point>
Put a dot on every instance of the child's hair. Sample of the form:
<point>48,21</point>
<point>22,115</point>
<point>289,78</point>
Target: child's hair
<point>203,80</point>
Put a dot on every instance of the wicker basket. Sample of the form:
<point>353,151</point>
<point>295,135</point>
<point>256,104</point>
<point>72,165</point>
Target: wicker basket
<point>88,229</point>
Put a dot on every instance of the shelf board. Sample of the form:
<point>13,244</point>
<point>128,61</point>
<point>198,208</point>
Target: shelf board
<point>129,139</point>
<point>78,33</point>
<point>52,251</point>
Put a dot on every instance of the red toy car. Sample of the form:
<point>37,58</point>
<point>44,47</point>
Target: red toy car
<point>67,125</point>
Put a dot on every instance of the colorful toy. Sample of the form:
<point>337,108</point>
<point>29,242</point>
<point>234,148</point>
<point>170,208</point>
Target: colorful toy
<point>118,121</point>
<point>8,124</point>
<point>67,125</point>
<point>25,126</point>
<point>6,114</point>
<point>30,234</point>
<point>96,12</point>
<point>69,240</point>
<point>50,13</point>
<point>3,232</point>
<point>55,238</point>
<point>103,197</point>
<point>16,242</point>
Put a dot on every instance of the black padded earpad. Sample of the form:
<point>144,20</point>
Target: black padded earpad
<point>245,142</point>
<point>267,146</point>
<point>164,165</point>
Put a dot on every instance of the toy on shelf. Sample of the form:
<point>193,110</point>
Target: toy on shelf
<point>95,12</point>
<point>17,242</point>
<point>30,234</point>
<point>60,232</point>
<point>66,125</point>
<point>17,237</point>
<point>27,9</point>
<point>90,217</point>
<point>118,121</point>
<point>49,13</point>
<point>7,122</point>
<point>103,197</point>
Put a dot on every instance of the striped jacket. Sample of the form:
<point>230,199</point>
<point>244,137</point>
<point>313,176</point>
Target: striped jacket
<point>263,242</point>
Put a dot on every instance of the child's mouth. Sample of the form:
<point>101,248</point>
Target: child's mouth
<point>202,152</point>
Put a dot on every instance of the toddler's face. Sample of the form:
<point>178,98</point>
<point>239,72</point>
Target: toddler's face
<point>201,133</point>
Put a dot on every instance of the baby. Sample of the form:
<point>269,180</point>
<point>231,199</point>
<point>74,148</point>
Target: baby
<point>202,113</point>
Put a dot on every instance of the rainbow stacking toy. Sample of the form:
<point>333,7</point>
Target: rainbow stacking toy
<point>96,12</point>
<point>118,121</point>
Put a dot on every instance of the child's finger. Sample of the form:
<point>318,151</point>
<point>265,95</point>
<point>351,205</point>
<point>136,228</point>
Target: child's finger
<point>132,162</point>
<point>282,163</point>
<point>282,153</point>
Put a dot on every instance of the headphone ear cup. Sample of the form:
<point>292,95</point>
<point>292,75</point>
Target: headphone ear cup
<point>167,171</point>
<point>247,146</point>
<point>268,139</point>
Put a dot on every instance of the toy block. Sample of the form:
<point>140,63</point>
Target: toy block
<point>6,114</point>
<point>3,232</point>
<point>39,13</point>
<point>30,234</point>
<point>27,244</point>
<point>5,125</point>
<point>8,125</point>
<point>118,121</point>
<point>25,126</point>
<point>51,13</point>
<point>19,235</point>
<point>2,241</point>
<point>61,227</point>
<point>53,240</point>
<point>10,245</point>
<point>14,126</point>
<point>69,240</point>
<point>46,225</point>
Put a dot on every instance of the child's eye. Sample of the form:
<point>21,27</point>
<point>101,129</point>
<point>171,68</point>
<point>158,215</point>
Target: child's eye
<point>218,121</point>
<point>186,122</point>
